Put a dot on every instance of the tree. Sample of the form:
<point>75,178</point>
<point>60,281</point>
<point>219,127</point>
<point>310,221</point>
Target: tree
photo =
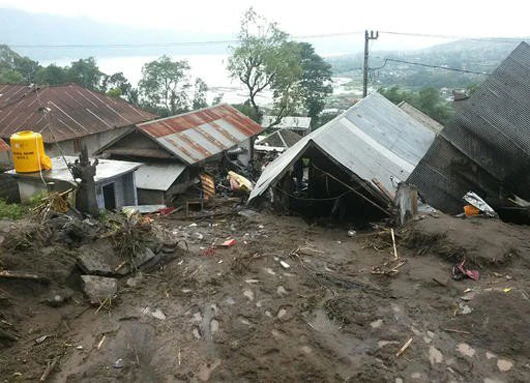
<point>428,100</point>
<point>15,68</point>
<point>266,60</point>
<point>86,73</point>
<point>116,85</point>
<point>52,75</point>
<point>163,87</point>
<point>316,83</point>
<point>199,95</point>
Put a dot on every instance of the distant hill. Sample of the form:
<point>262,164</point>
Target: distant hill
<point>23,28</point>
<point>477,55</point>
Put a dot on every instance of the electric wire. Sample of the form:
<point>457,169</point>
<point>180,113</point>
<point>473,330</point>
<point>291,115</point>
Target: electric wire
<point>386,60</point>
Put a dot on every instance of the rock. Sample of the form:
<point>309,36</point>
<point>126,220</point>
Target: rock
<point>98,258</point>
<point>376,324</point>
<point>158,314</point>
<point>249,294</point>
<point>465,349</point>
<point>281,291</point>
<point>281,313</point>
<point>58,298</point>
<point>135,281</point>
<point>285,265</point>
<point>435,355</point>
<point>99,288</point>
<point>504,365</point>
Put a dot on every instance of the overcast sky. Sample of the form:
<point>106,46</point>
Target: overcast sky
<point>472,18</point>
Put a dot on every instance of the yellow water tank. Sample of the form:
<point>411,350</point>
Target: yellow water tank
<point>28,152</point>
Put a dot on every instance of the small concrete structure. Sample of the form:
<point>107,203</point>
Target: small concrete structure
<point>114,182</point>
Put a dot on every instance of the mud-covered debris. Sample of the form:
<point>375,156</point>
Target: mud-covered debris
<point>41,339</point>
<point>98,289</point>
<point>58,298</point>
<point>119,363</point>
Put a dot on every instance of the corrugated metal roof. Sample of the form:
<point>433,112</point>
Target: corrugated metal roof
<point>105,170</point>
<point>13,92</point>
<point>374,139</point>
<point>4,147</point>
<point>301,123</point>
<point>486,146</point>
<point>425,120</point>
<point>198,135</point>
<point>161,176</point>
<point>74,112</point>
<point>280,138</point>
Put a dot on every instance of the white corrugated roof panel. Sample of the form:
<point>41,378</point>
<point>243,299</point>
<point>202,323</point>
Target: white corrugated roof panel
<point>158,176</point>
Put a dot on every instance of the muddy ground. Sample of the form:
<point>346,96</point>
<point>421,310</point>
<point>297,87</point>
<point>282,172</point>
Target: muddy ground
<point>289,302</point>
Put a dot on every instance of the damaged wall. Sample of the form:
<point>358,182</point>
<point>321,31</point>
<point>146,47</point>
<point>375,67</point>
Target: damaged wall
<point>486,146</point>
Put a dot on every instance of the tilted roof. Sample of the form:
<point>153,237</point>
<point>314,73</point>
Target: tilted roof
<point>486,145</point>
<point>198,135</point>
<point>374,139</point>
<point>74,112</point>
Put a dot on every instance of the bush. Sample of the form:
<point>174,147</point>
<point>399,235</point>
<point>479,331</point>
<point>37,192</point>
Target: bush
<point>11,210</point>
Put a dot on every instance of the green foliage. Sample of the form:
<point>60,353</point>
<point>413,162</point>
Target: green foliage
<point>248,110</point>
<point>52,75</point>
<point>428,100</point>
<point>199,95</point>
<point>11,210</point>
<point>116,85</point>
<point>266,60</point>
<point>86,73</point>
<point>316,83</point>
<point>16,69</point>
<point>164,85</point>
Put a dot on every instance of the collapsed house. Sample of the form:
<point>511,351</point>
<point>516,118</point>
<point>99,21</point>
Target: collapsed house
<point>349,168</point>
<point>177,149</point>
<point>486,146</point>
<point>278,141</point>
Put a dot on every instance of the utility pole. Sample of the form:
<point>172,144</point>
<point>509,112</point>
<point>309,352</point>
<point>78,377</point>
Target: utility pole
<point>367,38</point>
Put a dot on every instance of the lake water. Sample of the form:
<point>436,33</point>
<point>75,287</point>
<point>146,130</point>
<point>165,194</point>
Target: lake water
<point>209,67</point>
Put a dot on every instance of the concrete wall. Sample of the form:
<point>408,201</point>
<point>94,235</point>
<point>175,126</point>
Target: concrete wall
<point>124,191</point>
<point>150,197</point>
<point>93,143</point>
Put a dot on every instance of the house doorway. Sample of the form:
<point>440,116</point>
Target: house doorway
<point>109,197</point>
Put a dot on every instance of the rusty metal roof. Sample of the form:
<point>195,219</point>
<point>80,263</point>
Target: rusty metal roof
<point>198,135</point>
<point>74,112</point>
<point>13,92</point>
<point>3,146</point>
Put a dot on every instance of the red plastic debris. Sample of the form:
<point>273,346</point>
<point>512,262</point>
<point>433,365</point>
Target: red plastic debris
<point>228,243</point>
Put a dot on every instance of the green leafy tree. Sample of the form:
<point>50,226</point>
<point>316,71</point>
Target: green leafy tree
<point>428,100</point>
<point>52,75</point>
<point>15,68</point>
<point>199,94</point>
<point>266,60</point>
<point>164,85</point>
<point>315,84</point>
<point>116,85</point>
<point>86,73</point>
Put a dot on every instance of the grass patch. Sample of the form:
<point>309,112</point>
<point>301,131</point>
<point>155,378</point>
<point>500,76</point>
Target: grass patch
<point>12,210</point>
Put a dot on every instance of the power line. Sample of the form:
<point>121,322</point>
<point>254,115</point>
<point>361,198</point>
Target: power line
<point>235,41</point>
<point>428,66</point>
<point>169,44</point>
<point>456,37</point>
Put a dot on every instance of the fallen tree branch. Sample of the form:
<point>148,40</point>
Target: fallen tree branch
<point>402,349</point>
<point>22,275</point>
